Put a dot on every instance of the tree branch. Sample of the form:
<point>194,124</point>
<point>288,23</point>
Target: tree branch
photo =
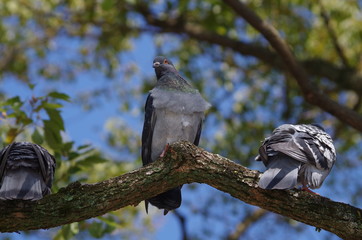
<point>346,78</point>
<point>183,163</point>
<point>295,68</point>
<point>182,220</point>
<point>333,35</point>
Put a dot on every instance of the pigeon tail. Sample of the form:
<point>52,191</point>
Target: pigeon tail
<point>26,184</point>
<point>168,201</point>
<point>282,173</point>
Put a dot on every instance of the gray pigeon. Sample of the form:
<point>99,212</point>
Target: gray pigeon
<point>26,171</point>
<point>296,155</point>
<point>174,111</point>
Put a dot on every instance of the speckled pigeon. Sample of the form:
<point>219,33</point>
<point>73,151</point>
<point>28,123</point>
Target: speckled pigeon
<point>296,155</point>
<point>26,171</point>
<point>174,111</point>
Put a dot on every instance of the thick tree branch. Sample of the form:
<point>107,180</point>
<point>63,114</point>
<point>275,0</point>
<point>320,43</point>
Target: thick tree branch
<point>295,68</point>
<point>184,163</point>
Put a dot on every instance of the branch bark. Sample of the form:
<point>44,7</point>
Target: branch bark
<point>183,163</point>
<point>310,93</point>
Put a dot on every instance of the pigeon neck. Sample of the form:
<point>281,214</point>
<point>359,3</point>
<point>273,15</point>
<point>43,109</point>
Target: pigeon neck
<point>173,81</point>
<point>161,72</point>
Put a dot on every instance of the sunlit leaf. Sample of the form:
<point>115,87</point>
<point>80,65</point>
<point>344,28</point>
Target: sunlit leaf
<point>52,105</point>
<point>59,95</point>
<point>11,135</point>
<point>13,100</point>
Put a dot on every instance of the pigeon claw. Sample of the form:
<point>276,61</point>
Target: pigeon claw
<point>165,150</point>
<point>308,190</point>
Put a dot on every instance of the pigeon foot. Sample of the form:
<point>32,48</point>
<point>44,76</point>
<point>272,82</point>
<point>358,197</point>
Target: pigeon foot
<point>308,190</point>
<point>165,150</point>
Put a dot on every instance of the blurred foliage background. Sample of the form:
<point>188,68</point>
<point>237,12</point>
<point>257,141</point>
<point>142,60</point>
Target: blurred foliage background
<point>65,63</point>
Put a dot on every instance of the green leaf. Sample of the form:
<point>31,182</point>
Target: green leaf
<point>83,146</point>
<point>31,85</point>
<point>74,170</point>
<point>109,221</point>
<point>36,137</point>
<point>74,228</point>
<point>13,100</point>
<point>11,135</point>
<point>99,229</point>
<point>90,161</point>
<point>52,105</point>
<point>52,134</point>
<point>67,147</point>
<point>22,118</point>
<point>66,232</point>
<point>73,155</point>
<point>55,117</point>
<point>59,95</point>
<point>107,5</point>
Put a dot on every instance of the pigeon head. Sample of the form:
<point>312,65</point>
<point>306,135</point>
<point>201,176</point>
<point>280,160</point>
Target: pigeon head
<point>162,66</point>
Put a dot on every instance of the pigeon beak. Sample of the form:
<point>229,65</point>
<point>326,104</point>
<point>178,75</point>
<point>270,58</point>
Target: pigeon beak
<point>156,64</point>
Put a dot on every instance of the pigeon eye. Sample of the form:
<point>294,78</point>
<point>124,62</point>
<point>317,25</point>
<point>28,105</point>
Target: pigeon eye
<point>165,61</point>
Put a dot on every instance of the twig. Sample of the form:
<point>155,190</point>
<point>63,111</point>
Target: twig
<point>182,220</point>
<point>243,226</point>
<point>333,35</point>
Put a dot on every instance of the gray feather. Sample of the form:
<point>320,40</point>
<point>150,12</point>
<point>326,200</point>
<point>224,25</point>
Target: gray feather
<point>313,177</point>
<point>308,145</point>
<point>179,102</point>
<point>26,185</point>
<point>27,173</point>
<point>171,127</point>
<point>282,173</point>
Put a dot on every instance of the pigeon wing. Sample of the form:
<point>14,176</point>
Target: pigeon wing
<point>198,134</point>
<point>147,133</point>
<point>286,139</point>
<point>3,158</point>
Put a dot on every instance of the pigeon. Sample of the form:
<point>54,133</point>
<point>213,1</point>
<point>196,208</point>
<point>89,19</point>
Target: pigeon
<point>296,155</point>
<point>26,171</point>
<point>174,111</point>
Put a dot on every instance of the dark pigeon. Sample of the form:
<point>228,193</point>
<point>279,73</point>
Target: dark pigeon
<point>26,171</point>
<point>174,111</point>
<point>296,155</point>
